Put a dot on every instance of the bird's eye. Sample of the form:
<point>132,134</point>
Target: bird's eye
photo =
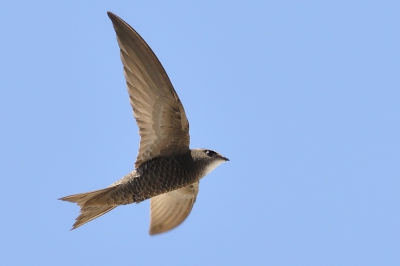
<point>210,153</point>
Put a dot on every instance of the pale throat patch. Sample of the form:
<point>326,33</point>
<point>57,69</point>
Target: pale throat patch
<point>211,167</point>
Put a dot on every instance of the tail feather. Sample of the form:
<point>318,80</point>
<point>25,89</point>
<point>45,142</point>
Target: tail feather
<point>93,204</point>
<point>91,213</point>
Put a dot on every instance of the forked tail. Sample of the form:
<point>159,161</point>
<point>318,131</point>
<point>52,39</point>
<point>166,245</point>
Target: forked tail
<point>93,204</point>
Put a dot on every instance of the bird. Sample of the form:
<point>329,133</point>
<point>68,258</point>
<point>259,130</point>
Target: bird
<point>166,170</point>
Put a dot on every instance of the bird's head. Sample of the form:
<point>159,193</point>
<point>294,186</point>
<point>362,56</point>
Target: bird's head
<point>209,158</point>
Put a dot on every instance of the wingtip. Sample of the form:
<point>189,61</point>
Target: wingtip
<point>153,232</point>
<point>156,230</point>
<point>111,15</point>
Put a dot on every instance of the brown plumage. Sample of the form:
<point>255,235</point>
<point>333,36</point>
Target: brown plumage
<point>89,213</point>
<point>167,171</point>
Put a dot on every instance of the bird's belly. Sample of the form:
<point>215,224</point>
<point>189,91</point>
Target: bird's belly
<point>159,176</point>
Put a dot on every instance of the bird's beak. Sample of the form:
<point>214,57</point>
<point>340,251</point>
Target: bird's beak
<point>224,158</point>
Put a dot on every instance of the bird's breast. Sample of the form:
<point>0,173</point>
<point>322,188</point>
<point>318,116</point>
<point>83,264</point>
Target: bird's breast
<point>161,175</point>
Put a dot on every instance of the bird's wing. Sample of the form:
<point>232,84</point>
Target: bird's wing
<point>169,210</point>
<point>163,126</point>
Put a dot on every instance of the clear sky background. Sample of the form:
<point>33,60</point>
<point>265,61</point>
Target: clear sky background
<point>302,96</point>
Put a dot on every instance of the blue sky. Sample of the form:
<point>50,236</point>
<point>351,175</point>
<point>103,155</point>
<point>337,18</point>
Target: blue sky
<point>302,97</point>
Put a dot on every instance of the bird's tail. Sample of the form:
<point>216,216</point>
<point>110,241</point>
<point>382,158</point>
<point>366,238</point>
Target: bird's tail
<point>93,204</point>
